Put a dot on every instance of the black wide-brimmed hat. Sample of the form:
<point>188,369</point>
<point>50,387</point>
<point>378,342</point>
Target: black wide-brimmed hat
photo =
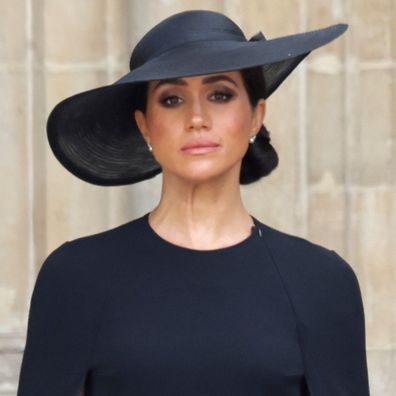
<point>94,134</point>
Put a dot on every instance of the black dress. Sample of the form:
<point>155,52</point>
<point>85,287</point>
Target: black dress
<point>126,313</point>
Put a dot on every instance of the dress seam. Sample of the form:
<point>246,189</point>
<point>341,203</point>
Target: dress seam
<point>306,373</point>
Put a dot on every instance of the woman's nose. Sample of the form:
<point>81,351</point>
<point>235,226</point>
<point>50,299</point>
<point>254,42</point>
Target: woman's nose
<point>197,116</point>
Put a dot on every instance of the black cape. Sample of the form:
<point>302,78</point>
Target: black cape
<point>126,312</point>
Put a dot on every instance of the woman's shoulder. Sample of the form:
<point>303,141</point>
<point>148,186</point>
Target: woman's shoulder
<point>106,240</point>
<point>109,237</point>
<point>318,279</point>
<point>303,254</point>
<point>94,253</point>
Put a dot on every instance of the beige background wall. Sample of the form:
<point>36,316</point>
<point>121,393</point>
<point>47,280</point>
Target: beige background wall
<point>333,123</point>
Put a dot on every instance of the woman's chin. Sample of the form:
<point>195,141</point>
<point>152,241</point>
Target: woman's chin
<point>203,174</point>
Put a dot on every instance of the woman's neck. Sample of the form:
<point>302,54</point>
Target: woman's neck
<point>201,215</point>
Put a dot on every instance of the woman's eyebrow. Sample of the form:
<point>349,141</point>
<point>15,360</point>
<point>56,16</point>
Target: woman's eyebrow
<point>206,80</point>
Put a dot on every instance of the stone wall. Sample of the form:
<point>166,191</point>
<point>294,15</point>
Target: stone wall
<point>332,122</point>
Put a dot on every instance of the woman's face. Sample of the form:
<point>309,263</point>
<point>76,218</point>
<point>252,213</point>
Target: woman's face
<point>211,112</point>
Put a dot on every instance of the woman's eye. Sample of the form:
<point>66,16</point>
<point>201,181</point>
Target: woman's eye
<point>217,96</point>
<point>221,96</point>
<point>170,100</point>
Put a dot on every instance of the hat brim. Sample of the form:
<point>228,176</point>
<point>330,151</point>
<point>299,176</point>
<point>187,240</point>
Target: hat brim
<point>94,134</point>
<point>205,57</point>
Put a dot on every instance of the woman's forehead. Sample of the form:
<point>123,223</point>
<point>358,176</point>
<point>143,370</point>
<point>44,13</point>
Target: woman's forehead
<point>233,77</point>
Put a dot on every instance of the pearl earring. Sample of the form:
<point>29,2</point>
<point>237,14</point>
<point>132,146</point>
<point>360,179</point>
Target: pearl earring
<point>252,139</point>
<point>149,146</point>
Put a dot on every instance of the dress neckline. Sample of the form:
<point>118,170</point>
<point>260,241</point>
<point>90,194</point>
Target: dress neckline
<point>245,243</point>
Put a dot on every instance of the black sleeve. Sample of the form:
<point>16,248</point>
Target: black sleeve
<point>352,333</point>
<point>62,323</point>
<point>325,295</point>
<point>334,336</point>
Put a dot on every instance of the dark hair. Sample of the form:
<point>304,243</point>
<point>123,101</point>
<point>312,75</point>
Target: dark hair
<point>260,158</point>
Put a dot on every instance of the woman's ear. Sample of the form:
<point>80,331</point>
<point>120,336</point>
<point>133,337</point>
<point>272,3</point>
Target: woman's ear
<point>258,116</point>
<point>140,119</point>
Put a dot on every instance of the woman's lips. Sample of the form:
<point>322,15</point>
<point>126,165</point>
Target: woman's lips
<point>200,149</point>
<point>200,146</point>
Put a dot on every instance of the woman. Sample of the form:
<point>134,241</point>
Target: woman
<point>199,133</point>
<point>196,297</point>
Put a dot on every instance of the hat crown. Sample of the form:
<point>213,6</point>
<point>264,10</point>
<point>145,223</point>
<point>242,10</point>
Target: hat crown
<point>182,28</point>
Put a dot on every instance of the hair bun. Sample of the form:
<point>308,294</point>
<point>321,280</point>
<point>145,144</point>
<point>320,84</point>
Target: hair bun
<point>265,133</point>
<point>260,159</point>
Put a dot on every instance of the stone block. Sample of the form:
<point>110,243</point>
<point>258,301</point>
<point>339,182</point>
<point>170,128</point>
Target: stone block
<point>369,149</point>
<point>75,208</point>
<point>392,141</point>
<point>60,85</point>
<point>392,16</point>
<point>119,44</point>
<point>321,14</point>
<point>327,213</point>
<point>11,349</point>
<point>14,209</point>
<point>264,15</point>
<point>325,126</point>
<point>371,28</point>
<point>382,369</point>
<point>144,15</point>
<point>75,30</point>
<point>325,12</point>
<point>13,31</point>
<point>131,201</point>
<point>371,250</point>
